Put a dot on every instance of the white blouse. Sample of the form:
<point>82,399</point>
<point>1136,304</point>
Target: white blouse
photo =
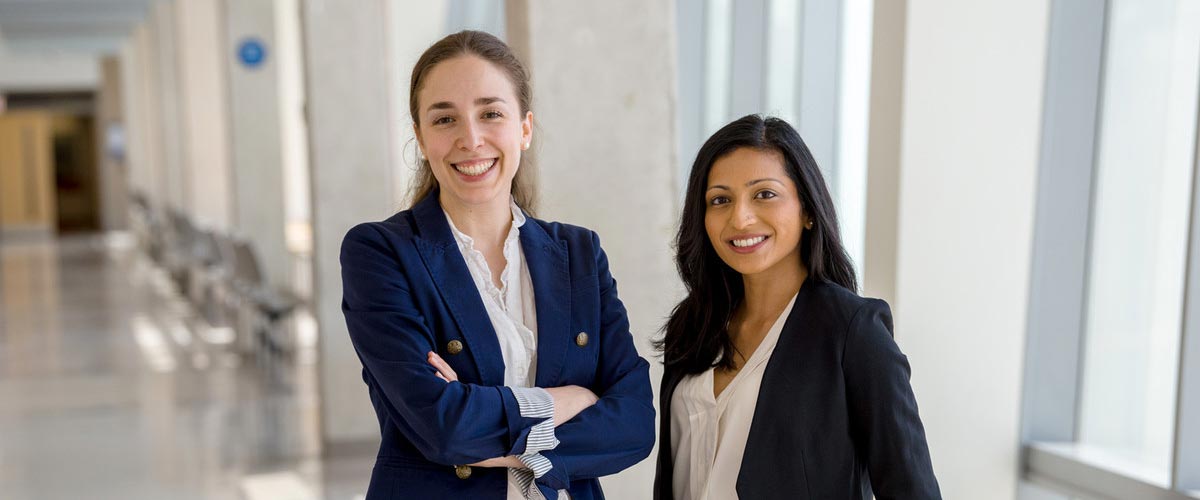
<point>708,434</point>
<point>511,309</point>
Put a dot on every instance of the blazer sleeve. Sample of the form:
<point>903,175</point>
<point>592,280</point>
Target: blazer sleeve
<point>449,423</point>
<point>884,421</point>
<point>618,431</point>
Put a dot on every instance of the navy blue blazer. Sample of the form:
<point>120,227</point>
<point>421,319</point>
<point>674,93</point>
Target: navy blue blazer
<point>407,291</point>
<point>836,417</point>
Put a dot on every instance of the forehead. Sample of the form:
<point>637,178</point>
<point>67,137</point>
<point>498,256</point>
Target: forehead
<point>462,80</point>
<point>746,164</point>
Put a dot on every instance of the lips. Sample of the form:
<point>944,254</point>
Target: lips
<point>474,168</point>
<point>748,243</point>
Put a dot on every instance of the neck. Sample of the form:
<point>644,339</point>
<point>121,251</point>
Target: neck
<point>768,292</point>
<point>486,223</point>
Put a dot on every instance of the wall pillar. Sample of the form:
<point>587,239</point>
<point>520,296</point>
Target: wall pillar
<point>256,142</point>
<point>604,104</point>
<point>350,131</point>
<point>972,116</point>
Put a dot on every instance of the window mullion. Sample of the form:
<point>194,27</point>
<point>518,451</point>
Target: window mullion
<point>1185,473</point>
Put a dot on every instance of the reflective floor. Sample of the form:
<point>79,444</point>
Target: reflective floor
<point>110,387</point>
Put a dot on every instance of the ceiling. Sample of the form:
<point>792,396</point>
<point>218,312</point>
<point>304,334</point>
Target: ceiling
<point>68,26</point>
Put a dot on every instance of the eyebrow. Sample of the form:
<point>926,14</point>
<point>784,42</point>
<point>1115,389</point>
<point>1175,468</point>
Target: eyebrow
<point>482,101</point>
<point>748,184</point>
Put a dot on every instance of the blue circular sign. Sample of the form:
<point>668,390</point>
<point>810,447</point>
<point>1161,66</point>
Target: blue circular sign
<point>252,52</point>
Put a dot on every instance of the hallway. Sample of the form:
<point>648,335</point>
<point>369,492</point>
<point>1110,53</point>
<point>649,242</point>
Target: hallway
<point>110,387</point>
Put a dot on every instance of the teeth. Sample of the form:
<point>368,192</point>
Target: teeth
<point>749,242</point>
<point>475,169</point>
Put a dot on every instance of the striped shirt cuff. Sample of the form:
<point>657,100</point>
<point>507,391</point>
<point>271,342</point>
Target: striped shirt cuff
<point>535,402</point>
<point>538,466</point>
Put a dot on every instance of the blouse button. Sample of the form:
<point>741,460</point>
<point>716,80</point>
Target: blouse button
<point>455,347</point>
<point>462,471</point>
<point>581,340</point>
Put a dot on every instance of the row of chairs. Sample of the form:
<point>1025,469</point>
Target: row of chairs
<point>220,276</point>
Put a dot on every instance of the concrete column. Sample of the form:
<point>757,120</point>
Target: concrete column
<point>883,149</point>
<point>204,112</point>
<point>606,149</point>
<point>175,177</point>
<point>350,130</point>
<point>256,142</point>
<point>146,159</point>
<point>113,170</point>
<point>131,101</point>
<point>972,114</point>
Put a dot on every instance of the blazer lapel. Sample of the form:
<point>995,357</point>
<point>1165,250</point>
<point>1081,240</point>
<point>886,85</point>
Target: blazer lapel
<point>446,266</point>
<point>547,263</point>
<point>776,381</point>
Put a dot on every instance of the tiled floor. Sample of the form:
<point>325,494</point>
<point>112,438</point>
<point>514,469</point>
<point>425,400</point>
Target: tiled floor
<point>111,388</point>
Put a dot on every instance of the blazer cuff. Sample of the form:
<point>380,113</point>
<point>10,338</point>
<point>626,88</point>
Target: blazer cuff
<point>526,481</point>
<point>535,402</point>
<point>519,426</point>
<point>556,478</point>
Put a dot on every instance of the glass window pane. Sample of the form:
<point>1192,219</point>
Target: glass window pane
<point>1139,231</point>
<point>717,59</point>
<point>783,37</point>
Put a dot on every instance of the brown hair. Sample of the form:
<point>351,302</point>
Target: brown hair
<point>489,48</point>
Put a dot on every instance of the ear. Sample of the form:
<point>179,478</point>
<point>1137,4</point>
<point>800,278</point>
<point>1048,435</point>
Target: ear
<point>420,143</point>
<point>527,128</point>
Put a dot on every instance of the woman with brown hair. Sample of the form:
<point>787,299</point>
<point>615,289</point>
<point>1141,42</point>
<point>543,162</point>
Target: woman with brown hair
<point>494,347</point>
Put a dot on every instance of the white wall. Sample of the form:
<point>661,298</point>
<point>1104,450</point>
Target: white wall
<point>974,74</point>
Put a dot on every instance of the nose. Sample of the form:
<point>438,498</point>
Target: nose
<point>743,215</point>
<point>471,137</point>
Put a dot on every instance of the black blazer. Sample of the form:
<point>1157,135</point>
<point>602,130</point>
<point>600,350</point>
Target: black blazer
<point>835,418</point>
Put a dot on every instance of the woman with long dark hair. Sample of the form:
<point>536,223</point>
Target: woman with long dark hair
<point>780,382</point>
<point>494,347</point>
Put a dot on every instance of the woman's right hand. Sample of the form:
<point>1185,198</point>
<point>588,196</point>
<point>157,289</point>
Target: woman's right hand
<point>570,400</point>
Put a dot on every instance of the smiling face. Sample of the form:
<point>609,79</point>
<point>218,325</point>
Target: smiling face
<point>471,130</point>
<point>753,215</point>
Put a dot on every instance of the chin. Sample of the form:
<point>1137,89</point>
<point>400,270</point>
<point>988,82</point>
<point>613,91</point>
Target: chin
<point>750,266</point>
<point>477,195</point>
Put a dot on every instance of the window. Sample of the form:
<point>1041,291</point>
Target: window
<point>1111,377</point>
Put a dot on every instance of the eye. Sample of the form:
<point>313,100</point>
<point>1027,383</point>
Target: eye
<point>718,201</point>
<point>765,195</point>
<point>443,120</point>
<point>492,115</point>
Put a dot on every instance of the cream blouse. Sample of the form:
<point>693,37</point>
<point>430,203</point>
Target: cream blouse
<point>511,309</point>
<point>708,434</point>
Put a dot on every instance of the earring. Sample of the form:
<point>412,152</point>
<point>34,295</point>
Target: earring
<point>524,146</point>
<point>808,225</point>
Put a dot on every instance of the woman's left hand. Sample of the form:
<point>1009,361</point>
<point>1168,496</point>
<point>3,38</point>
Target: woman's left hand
<point>444,371</point>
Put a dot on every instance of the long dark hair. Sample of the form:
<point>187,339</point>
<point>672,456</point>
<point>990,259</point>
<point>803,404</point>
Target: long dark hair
<point>491,49</point>
<point>696,332</point>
